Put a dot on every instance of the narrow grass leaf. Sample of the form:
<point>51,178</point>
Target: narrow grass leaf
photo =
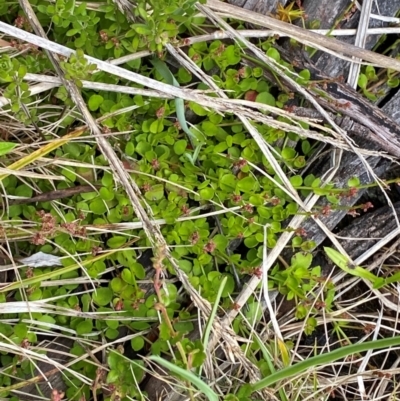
<point>54,144</point>
<point>187,375</point>
<point>6,147</point>
<point>324,359</point>
<point>207,331</point>
<point>342,262</point>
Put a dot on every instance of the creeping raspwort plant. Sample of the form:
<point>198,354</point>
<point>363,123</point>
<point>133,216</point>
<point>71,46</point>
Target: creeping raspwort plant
<point>74,207</point>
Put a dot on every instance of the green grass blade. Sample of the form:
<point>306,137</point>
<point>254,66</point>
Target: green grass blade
<point>43,151</point>
<point>269,359</point>
<point>324,359</point>
<point>187,375</point>
<point>164,71</point>
<point>342,262</point>
<point>207,331</point>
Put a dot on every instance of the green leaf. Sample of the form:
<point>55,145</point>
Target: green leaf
<point>325,359</point>
<point>334,199</point>
<point>127,276</point>
<point>299,162</point>
<point>197,109</point>
<point>102,296</point>
<point>141,29</point>
<point>113,376</point>
<point>254,312</point>
<point>232,54</point>
<point>315,183</point>
<point>72,32</point>
<point>288,153</point>
<point>98,206</point>
<point>155,193</point>
<point>208,63</point>
<point>273,53</point>
<point>112,334</point>
<point>94,102</point>
<point>106,194</point>
<point>266,98</point>
<point>247,184</point>
<point>112,324</point>
<point>184,326</point>
<point>362,81</point>
<point>393,82</point>
<point>6,147</point>
<point>187,375</point>
<point>221,241</point>
<point>305,147</point>
<point>47,319</point>
<point>206,193</point>
<point>184,76</point>
<point>353,182</point>
<point>70,175</point>
<point>221,147</point>
<point>342,262</point>
<point>370,72</point>
<point>369,95</point>
<point>116,242</point>
<point>301,260</point>
<point>305,74</point>
<point>137,343</point>
<point>143,147</point>
<point>228,182</point>
<point>129,149</point>
<point>24,190</point>
<point>138,270</point>
<point>296,180</point>
<point>21,330</point>
<point>156,126</point>
<point>6,329</point>
<point>22,70</point>
<point>180,146</point>
<point>84,327</point>
<point>185,265</point>
<point>251,242</point>
<point>107,179</point>
<point>117,284</point>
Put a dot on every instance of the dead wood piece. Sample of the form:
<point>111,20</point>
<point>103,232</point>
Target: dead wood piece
<point>56,194</point>
<point>360,235</point>
<point>351,166</point>
<point>305,36</point>
<point>259,6</point>
<point>372,227</point>
<point>58,350</point>
<point>327,13</point>
<point>329,64</point>
<point>344,99</point>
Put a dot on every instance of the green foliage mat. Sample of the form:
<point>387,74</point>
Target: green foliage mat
<point>201,174</point>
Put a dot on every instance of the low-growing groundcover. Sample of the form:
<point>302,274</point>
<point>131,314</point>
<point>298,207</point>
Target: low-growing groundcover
<point>207,185</point>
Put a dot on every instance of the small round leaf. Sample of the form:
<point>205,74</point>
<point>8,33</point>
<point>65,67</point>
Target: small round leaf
<point>180,146</point>
<point>95,101</point>
<point>102,296</point>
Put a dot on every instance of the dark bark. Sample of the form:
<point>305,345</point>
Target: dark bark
<point>259,6</point>
<point>59,349</point>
